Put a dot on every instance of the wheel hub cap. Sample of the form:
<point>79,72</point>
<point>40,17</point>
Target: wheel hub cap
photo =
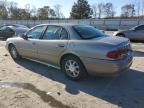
<point>72,68</point>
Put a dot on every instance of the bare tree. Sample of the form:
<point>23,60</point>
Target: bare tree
<point>33,11</point>
<point>27,8</point>
<point>95,9</point>
<point>128,10</point>
<point>142,8</point>
<point>57,9</point>
<point>100,9</point>
<point>13,10</point>
<point>138,8</point>
<point>109,10</point>
<point>52,13</point>
<point>3,10</point>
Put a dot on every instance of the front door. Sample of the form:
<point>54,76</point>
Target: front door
<point>2,32</point>
<point>28,48</point>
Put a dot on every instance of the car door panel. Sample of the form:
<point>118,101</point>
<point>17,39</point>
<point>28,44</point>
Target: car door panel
<point>132,34</point>
<point>8,32</point>
<point>29,47</point>
<point>50,50</point>
<point>3,32</point>
<point>137,33</point>
<point>51,46</point>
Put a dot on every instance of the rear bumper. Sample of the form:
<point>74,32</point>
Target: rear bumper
<point>107,67</point>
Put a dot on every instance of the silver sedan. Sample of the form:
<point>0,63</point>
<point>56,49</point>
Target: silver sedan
<point>135,33</point>
<point>78,50</point>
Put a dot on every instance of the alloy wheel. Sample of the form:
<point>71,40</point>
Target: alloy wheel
<point>72,68</point>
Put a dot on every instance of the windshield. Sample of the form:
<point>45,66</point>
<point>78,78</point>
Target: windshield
<point>88,32</point>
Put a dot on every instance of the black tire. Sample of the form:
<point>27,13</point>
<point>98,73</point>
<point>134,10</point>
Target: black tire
<point>81,71</point>
<point>13,52</point>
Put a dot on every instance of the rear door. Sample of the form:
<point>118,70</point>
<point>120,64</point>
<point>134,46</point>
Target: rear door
<point>28,48</point>
<point>9,32</point>
<point>53,44</point>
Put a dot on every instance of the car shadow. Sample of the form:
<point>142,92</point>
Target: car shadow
<point>138,53</point>
<point>126,91</point>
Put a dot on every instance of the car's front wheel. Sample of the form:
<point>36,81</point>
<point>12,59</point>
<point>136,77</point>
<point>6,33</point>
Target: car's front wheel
<point>13,52</point>
<point>73,68</point>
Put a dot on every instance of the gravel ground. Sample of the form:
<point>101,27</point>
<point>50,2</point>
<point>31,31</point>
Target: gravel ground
<point>26,84</point>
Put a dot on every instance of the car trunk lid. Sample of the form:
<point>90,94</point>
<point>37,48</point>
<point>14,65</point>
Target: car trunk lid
<point>111,40</point>
<point>121,46</point>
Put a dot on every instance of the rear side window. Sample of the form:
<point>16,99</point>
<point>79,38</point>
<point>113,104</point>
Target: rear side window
<point>88,32</point>
<point>55,33</point>
<point>63,34</point>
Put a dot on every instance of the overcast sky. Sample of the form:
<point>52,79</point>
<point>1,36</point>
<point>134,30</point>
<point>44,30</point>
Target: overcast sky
<point>67,4</point>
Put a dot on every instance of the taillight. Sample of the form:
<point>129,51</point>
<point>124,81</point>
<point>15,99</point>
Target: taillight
<point>115,54</point>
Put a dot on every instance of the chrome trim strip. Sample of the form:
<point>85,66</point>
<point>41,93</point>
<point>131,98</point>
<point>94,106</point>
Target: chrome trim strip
<point>44,63</point>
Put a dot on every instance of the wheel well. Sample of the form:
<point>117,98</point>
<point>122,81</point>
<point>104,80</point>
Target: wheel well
<point>67,55</point>
<point>10,46</point>
<point>120,34</point>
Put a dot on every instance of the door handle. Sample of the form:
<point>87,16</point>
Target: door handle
<point>61,45</point>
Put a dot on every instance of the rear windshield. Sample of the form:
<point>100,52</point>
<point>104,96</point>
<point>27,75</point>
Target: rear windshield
<point>88,32</point>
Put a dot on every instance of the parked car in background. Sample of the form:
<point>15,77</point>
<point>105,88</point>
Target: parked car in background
<point>77,49</point>
<point>7,31</point>
<point>135,33</point>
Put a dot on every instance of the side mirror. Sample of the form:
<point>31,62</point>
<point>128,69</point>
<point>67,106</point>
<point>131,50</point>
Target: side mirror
<point>24,36</point>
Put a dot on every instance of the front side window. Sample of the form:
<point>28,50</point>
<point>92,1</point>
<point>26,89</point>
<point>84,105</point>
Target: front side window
<point>55,33</point>
<point>36,32</point>
<point>88,32</point>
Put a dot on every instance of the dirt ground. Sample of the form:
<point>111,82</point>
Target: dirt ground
<point>26,84</point>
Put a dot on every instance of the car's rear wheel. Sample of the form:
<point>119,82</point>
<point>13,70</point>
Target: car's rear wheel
<point>13,52</point>
<point>73,68</point>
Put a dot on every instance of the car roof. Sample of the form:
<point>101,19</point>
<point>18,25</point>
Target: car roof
<point>61,24</point>
<point>8,25</point>
<point>139,25</point>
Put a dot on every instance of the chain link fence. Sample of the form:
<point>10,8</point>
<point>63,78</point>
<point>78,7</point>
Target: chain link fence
<point>105,24</point>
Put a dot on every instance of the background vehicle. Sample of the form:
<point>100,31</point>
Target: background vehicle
<point>7,31</point>
<point>136,33</point>
<point>76,49</point>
